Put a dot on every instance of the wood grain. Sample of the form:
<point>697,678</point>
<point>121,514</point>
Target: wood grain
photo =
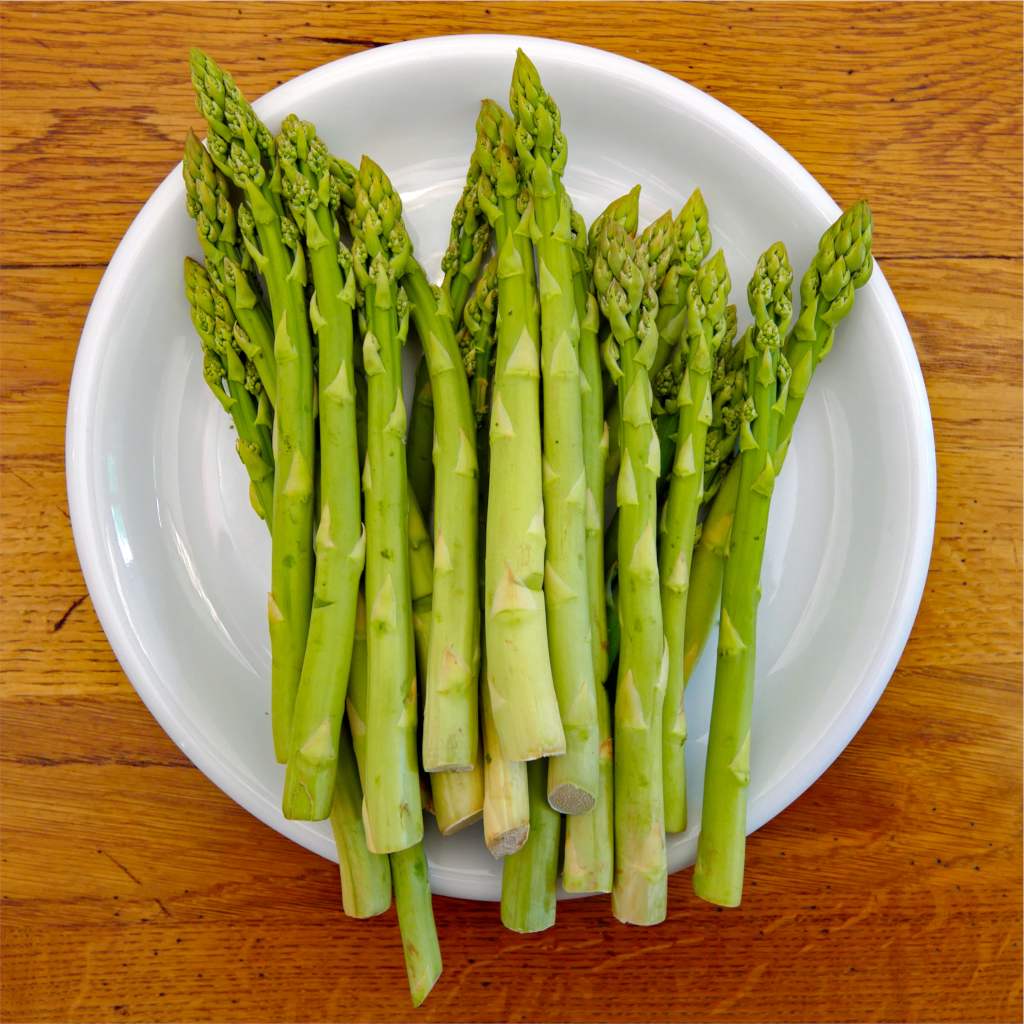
<point>134,890</point>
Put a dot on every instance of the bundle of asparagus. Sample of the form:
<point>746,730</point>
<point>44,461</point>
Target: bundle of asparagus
<point>445,612</point>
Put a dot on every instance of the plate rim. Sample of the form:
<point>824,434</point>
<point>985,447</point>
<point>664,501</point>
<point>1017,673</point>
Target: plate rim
<point>83,396</point>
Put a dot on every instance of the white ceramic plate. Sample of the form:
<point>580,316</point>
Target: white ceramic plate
<point>177,565</point>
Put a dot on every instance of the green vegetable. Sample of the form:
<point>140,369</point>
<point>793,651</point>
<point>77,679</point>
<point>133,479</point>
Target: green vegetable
<point>451,711</point>
<point>234,383</point>
<point>208,201</point>
<point>572,778</point>
<point>843,263</point>
<point>622,279</point>
<point>391,782</point>
<point>529,876</point>
<point>707,295</point>
<point>244,151</point>
<point>718,875</point>
<point>595,444</point>
<point>340,540</point>
<point>518,665</point>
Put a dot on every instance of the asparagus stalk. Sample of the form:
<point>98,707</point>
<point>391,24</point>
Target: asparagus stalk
<point>391,784</point>
<point>718,876</point>
<point>451,724</point>
<point>529,876</point>
<point>365,876</point>
<point>590,838</point>
<point>595,444</point>
<point>340,539</point>
<point>244,151</point>
<point>629,303</point>
<point>705,330</point>
<point>208,201</point>
<point>573,778</point>
<point>408,867</point>
<point>519,675</point>
<point>842,264</point>
<point>234,384</point>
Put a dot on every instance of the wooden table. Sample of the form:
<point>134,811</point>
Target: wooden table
<point>134,890</point>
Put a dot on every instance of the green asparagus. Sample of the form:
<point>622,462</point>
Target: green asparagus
<point>595,443</point>
<point>705,329</point>
<point>573,778</point>
<point>622,270</point>
<point>391,786</point>
<point>208,201</point>
<point>718,875</point>
<point>518,664</point>
<point>234,384</point>
<point>244,151</point>
<point>340,540</point>
<point>843,263</point>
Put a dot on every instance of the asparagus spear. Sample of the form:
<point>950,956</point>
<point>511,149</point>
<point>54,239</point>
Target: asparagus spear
<point>365,876</point>
<point>705,329</point>
<point>842,264</point>
<point>572,778</point>
<point>529,876</point>
<point>208,201</point>
<point>595,444</point>
<point>718,876</point>
<point>234,384</point>
<point>391,783</point>
<point>518,665</point>
<point>244,151</point>
<point>408,867</point>
<point>450,727</point>
<point>629,303</point>
<point>340,541</point>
